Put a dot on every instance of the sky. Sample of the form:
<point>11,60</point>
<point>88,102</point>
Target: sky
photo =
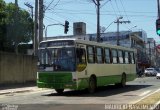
<point>141,13</point>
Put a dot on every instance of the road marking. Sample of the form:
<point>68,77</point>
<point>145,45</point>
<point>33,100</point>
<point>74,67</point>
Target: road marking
<point>145,96</point>
<point>144,93</point>
<point>152,108</point>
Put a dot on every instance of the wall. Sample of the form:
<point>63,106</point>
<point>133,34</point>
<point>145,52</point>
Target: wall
<point>17,68</point>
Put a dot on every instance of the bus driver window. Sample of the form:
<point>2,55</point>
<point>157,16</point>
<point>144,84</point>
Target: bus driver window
<point>81,57</point>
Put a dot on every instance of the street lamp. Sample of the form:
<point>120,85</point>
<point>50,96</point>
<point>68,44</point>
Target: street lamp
<point>114,22</point>
<point>51,25</point>
<point>132,27</point>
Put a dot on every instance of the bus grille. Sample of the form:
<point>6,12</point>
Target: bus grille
<point>55,78</point>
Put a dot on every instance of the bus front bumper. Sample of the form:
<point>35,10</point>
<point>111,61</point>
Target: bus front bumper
<point>71,85</point>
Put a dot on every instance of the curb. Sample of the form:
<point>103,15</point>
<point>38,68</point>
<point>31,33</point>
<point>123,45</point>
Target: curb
<point>12,92</point>
<point>17,90</point>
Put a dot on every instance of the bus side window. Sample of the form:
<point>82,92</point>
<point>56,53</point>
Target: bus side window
<point>91,54</point>
<point>111,56</point>
<point>120,56</point>
<point>99,55</point>
<point>107,56</point>
<point>129,57</point>
<point>114,55</point>
<point>123,53</point>
<point>132,58</point>
<point>126,58</point>
<point>81,55</point>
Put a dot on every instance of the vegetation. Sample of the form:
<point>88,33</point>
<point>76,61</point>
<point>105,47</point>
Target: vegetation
<point>15,27</point>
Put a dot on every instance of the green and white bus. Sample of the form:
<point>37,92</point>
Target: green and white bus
<point>78,64</point>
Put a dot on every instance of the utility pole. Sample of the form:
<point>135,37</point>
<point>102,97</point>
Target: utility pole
<point>16,3</point>
<point>16,24</point>
<point>158,8</point>
<point>119,22</point>
<point>97,3</point>
<point>98,21</point>
<point>41,13</point>
<point>35,42</point>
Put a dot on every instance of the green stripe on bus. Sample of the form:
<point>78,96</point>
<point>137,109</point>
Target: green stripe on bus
<point>105,80</point>
<point>64,80</point>
<point>55,80</point>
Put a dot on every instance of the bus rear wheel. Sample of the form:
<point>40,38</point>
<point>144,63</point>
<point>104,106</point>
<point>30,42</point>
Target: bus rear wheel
<point>123,80</point>
<point>59,91</point>
<point>92,85</point>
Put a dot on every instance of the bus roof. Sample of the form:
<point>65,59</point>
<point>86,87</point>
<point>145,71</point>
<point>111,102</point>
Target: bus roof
<point>87,42</point>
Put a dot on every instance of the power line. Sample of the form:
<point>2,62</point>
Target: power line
<point>117,7</point>
<point>64,17</point>
<point>113,9</point>
<point>124,9</point>
<point>49,5</point>
<point>56,4</point>
<point>91,27</point>
<point>66,10</point>
<point>53,19</point>
<point>104,3</point>
<point>79,13</point>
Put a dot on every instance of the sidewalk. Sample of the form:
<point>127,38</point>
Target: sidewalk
<point>17,88</point>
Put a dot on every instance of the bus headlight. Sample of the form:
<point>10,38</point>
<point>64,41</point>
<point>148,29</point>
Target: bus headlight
<point>37,75</point>
<point>38,63</point>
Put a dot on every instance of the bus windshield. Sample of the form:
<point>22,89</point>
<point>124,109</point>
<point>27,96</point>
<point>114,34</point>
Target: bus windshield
<point>60,59</point>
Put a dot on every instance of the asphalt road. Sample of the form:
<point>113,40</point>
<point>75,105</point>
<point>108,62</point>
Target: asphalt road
<point>81,100</point>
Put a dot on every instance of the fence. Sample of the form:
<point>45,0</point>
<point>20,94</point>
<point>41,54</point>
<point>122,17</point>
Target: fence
<point>17,68</point>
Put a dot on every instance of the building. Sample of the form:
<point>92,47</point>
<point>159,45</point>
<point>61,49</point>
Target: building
<point>151,51</point>
<point>130,39</point>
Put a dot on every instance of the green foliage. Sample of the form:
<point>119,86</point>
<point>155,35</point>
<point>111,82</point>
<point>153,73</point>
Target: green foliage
<point>2,24</point>
<point>18,27</point>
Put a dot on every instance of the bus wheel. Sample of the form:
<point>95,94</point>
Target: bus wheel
<point>123,80</point>
<point>92,85</point>
<point>59,91</point>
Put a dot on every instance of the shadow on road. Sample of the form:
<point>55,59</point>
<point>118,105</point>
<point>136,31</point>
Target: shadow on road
<point>101,91</point>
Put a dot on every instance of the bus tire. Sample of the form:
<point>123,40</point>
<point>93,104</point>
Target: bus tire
<point>123,80</point>
<point>92,84</point>
<point>59,91</point>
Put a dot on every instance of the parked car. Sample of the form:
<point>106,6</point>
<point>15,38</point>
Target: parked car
<point>158,75</point>
<point>150,72</point>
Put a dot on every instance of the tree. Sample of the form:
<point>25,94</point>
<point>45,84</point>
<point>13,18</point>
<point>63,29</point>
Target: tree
<point>15,27</point>
<point>19,26</point>
<point>2,24</point>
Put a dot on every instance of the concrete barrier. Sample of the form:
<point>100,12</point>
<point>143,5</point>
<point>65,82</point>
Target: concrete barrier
<point>17,68</point>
